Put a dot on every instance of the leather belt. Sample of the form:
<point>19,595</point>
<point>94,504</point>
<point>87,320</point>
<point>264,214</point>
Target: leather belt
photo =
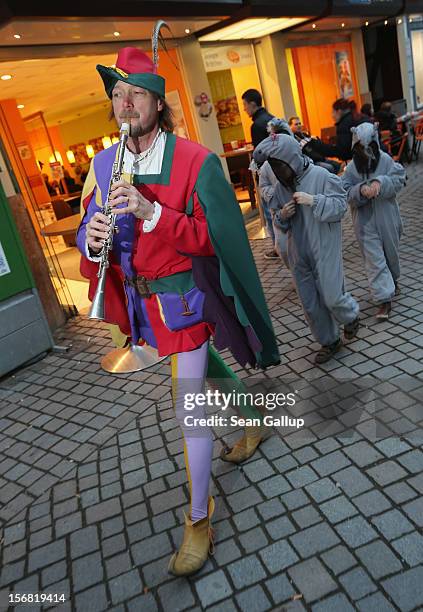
<point>141,284</point>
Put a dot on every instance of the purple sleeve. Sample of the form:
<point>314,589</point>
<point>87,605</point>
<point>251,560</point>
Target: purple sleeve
<point>89,212</point>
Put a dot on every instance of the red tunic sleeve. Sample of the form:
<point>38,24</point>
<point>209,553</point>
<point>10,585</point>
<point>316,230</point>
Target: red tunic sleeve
<point>186,233</point>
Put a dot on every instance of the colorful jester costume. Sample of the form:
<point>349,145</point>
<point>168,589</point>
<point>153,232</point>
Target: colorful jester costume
<point>181,278</point>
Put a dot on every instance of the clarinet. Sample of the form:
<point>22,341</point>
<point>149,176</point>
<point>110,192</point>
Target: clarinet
<point>97,306</point>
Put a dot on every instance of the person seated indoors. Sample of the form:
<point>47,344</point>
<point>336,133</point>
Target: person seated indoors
<point>372,181</point>
<point>311,204</point>
<point>367,113</point>
<point>307,144</point>
<point>344,120</point>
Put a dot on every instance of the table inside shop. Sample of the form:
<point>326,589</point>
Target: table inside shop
<point>74,201</point>
<point>63,227</point>
<point>237,164</point>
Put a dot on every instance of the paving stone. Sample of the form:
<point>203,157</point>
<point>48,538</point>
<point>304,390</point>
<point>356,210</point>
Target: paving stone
<point>352,481</point>
<point>375,603</point>
<point>41,557</point>
<point>151,548</point>
<point>258,470</point>
<point>362,454</point>
<point>412,461</point>
<point>414,510</point>
<point>378,559</point>
<point>400,492</point>
<point>338,559</point>
<point>87,571</point>
<point>338,509</point>
<point>92,600</point>
<point>246,519</point>
<point>301,476</point>
<point>280,588</point>
<point>274,486</point>
<point>278,556</point>
<point>392,524</point>
<point>330,463</point>
<point>410,548</point>
<point>270,509</point>
<point>227,551</point>
<point>246,572</point>
<point>312,580</point>
<point>84,541</point>
<point>295,499</point>
<point>125,586</point>
<point>306,516</point>
<point>104,510</point>
<point>392,446</point>
<point>406,589</point>
<point>251,541</point>
<point>335,603</point>
<point>253,600</point>
<point>146,603</point>
<point>356,531</point>
<point>372,502</point>
<point>357,583</point>
<point>212,588</point>
<point>322,490</point>
<point>176,596</point>
<point>386,472</point>
<point>54,573</point>
<point>280,528</point>
<point>244,499</point>
<point>315,539</point>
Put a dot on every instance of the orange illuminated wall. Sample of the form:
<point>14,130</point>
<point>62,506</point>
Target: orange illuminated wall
<point>170,70</point>
<point>318,85</point>
<point>245,77</point>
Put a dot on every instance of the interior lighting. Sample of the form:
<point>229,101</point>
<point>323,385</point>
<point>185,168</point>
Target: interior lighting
<point>342,25</point>
<point>17,36</point>
<point>116,34</point>
<point>6,77</point>
<point>71,157</point>
<point>90,151</point>
<point>20,106</point>
<point>314,26</point>
<point>252,28</point>
<point>367,23</point>
<point>115,139</point>
<point>107,142</point>
<point>187,30</point>
<point>399,21</point>
<point>55,158</point>
<point>386,22</point>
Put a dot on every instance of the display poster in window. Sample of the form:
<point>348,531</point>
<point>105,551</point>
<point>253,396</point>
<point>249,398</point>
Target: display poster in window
<point>4,265</point>
<point>343,71</point>
<point>174,101</point>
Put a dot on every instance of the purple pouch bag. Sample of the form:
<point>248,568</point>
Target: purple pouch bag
<point>181,310</point>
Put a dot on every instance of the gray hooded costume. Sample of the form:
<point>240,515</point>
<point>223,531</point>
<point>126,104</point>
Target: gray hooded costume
<point>377,222</point>
<point>314,239</point>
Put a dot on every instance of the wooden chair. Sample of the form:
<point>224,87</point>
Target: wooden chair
<point>62,210</point>
<point>418,138</point>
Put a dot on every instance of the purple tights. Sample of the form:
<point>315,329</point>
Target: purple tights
<point>188,378</point>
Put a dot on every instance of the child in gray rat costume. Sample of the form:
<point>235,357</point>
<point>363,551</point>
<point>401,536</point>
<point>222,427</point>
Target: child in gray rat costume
<point>372,180</point>
<point>311,205</point>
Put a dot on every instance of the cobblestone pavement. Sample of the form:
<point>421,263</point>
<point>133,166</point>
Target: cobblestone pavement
<point>92,484</point>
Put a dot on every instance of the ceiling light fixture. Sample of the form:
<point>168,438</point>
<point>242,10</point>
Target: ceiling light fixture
<point>314,26</point>
<point>187,30</point>
<point>367,23</point>
<point>116,33</point>
<point>16,36</point>
<point>399,21</point>
<point>342,25</point>
<point>71,156</point>
<point>6,77</point>
<point>386,22</point>
<point>252,28</point>
<point>20,106</point>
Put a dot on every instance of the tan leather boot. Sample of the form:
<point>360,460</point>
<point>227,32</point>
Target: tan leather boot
<point>246,446</point>
<point>196,545</point>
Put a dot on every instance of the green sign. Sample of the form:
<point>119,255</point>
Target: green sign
<point>15,275</point>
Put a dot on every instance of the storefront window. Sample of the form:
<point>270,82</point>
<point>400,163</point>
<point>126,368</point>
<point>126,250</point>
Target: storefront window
<point>417,47</point>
